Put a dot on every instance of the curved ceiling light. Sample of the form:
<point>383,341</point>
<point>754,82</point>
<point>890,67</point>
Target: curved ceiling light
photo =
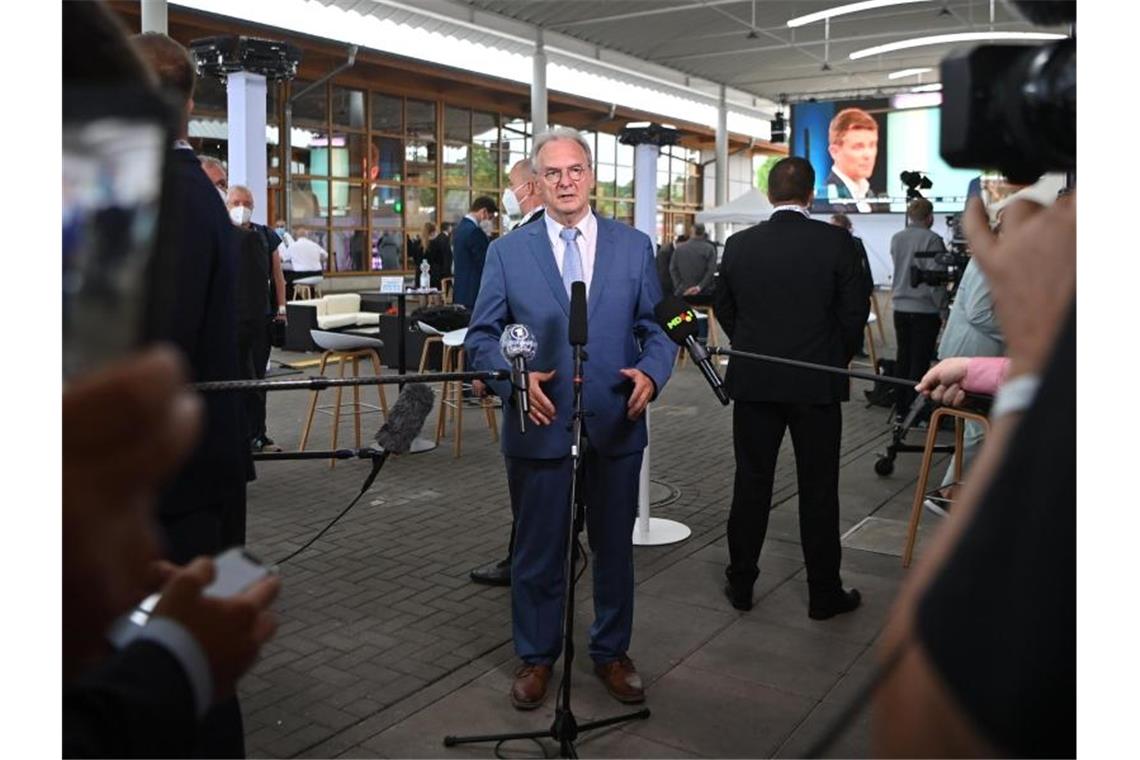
<point>943,39</point>
<point>843,10</point>
<point>908,72</point>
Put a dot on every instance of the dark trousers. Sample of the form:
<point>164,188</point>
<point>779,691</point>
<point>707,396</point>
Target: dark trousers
<point>253,354</point>
<point>916,335</point>
<point>757,430</point>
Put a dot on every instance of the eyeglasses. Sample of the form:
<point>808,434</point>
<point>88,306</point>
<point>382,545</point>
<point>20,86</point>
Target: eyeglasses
<point>554,176</point>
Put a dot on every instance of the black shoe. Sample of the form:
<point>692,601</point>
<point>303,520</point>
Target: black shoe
<point>494,574</point>
<point>835,604</point>
<point>741,600</point>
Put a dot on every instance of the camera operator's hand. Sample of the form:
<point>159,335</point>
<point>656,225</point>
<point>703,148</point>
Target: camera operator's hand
<point>943,382</point>
<point>125,429</point>
<point>1032,271</point>
<point>230,631</point>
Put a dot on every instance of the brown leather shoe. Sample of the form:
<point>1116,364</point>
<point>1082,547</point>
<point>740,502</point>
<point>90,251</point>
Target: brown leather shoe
<point>529,689</point>
<point>621,680</point>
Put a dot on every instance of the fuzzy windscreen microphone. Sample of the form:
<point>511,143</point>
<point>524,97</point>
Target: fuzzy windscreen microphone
<point>406,419</point>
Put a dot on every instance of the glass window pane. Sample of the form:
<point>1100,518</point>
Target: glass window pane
<point>457,124</point>
<point>624,182</point>
<point>421,119</point>
<point>484,127</point>
<point>388,248</point>
<point>387,113</point>
<point>420,206</point>
<point>677,180</point>
<point>387,206</point>
<point>623,211</point>
<point>386,159</point>
<point>348,108</point>
<point>320,155</point>
<point>301,147</point>
<point>605,183</point>
<point>348,250</point>
<point>605,208</point>
<point>456,203</point>
<point>456,166</point>
<point>419,156</point>
<point>624,155</point>
<point>485,160</point>
<point>606,150</point>
<point>210,96</point>
<point>663,186</point>
<point>309,205</point>
<point>347,204</point>
<point>347,155</point>
<point>311,109</point>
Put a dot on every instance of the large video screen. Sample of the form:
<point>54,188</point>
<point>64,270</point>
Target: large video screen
<point>859,149</point>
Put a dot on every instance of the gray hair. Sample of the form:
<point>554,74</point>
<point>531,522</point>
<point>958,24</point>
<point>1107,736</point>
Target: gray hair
<point>239,189</point>
<point>211,161</point>
<point>560,133</point>
<point>523,164</point>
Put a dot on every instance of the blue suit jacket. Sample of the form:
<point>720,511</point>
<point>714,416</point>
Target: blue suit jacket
<point>522,284</point>
<point>469,251</point>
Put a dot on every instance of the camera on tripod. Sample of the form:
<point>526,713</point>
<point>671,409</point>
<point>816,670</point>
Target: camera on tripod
<point>951,263</point>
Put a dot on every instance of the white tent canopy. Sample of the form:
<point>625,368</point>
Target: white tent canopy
<point>749,208</point>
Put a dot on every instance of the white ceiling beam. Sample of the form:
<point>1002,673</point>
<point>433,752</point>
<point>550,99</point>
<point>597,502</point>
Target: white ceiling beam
<point>639,14</point>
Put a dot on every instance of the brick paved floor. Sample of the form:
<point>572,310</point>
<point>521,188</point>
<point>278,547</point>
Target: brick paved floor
<point>385,645</point>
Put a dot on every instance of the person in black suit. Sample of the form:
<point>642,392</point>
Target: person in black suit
<point>202,511</point>
<point>790,287</point>
<point>472,237</point>
<point>437,253</point>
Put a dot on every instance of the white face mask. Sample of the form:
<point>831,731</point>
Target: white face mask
<point>511,203</point>
<point>487,226</point>
<point>240,215</point>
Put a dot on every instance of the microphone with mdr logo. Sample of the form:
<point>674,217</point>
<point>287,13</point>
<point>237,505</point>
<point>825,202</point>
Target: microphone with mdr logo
<point>518,346</point>
<point>680,323</point>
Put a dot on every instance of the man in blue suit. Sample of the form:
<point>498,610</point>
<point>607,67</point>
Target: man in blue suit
<point>469,249</point>
<point>527,280</point>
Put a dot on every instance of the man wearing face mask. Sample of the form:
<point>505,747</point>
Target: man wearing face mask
<point>472,236</point>
<point>257,261</point>
<point>522,200</point>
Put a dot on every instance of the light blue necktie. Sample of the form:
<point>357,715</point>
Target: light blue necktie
<point>571,259</point>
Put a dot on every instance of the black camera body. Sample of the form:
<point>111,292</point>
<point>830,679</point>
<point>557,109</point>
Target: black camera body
<point>953,263</point>
<point>1014,107</point>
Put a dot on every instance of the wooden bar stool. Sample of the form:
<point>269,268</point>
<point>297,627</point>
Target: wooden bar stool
<point>451,395</point>
<point>434,336</point>
<point>960,416</point>
<point>344,348</point>
<point>878,316</point>
<point>303,288</point>
<point>447,288</point>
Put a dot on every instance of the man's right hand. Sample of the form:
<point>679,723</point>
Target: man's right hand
<point>230,631</point>
<point>541,407</point>
<point>943,382</point>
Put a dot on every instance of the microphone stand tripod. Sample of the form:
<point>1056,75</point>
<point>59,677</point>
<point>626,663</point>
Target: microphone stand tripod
<point>565,728</point>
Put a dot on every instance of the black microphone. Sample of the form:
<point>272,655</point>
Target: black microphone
<point>578,329</point>
<point>680,323</point>
<point>518,346</point>
<point>405,420</point>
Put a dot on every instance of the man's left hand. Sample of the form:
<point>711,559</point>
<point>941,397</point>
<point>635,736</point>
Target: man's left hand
<point>642,392</point>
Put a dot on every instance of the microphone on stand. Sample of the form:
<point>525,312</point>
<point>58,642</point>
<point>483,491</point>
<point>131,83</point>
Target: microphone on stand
<point>578,327</point>
<point>679,322</point>
<point>518,346</point>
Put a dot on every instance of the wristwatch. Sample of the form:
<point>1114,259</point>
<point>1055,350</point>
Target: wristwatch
<point>280,309</point>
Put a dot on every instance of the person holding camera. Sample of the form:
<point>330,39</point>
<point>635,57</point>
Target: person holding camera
<point>917,305</point>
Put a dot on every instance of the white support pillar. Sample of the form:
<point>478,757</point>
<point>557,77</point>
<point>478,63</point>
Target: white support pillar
<point>649,531</point>
<point>245,100</point>
<point>153,16</point>
<point>721,159</point>
<point>538,85</point>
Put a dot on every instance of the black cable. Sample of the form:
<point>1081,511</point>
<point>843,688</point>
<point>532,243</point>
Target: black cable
<point>499,746</point>
<point>378,462</point>
<point>858,702</point>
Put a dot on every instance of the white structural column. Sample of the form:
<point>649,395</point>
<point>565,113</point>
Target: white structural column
<point>538,85</point>
<point>245,100</point>
<point>649,531</point>
<point>721,160</point>
<point>153,15</point>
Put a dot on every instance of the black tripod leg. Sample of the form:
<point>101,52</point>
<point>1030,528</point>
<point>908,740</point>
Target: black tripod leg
<point>642,714</point>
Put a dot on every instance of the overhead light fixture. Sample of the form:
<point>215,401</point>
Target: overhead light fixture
<point>908,72</point>
<point>933,87</point>
<point>843,10</point>
<point>946,39</point>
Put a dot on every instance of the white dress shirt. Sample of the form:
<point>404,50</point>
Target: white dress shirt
<point>858,191</point>
<point>305,256</point>
<point>587,243</point>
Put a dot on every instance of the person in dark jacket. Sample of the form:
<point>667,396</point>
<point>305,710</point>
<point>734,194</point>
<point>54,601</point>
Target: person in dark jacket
<point>472,236</point>
<point>791,287</point>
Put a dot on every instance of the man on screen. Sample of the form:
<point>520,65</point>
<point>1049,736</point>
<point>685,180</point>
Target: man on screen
<point>853,143</point>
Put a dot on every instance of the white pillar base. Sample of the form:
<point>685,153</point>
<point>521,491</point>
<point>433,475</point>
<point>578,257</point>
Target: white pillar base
<point>656,531</point>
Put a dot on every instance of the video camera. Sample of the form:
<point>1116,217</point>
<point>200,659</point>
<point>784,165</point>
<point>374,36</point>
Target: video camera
<point>953,261</point>
<point>1014,107</point>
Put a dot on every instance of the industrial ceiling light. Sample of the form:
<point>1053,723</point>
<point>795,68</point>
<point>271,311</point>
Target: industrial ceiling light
<point>843,10</point>
<point>944,39</point>
<point>908,72</point>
